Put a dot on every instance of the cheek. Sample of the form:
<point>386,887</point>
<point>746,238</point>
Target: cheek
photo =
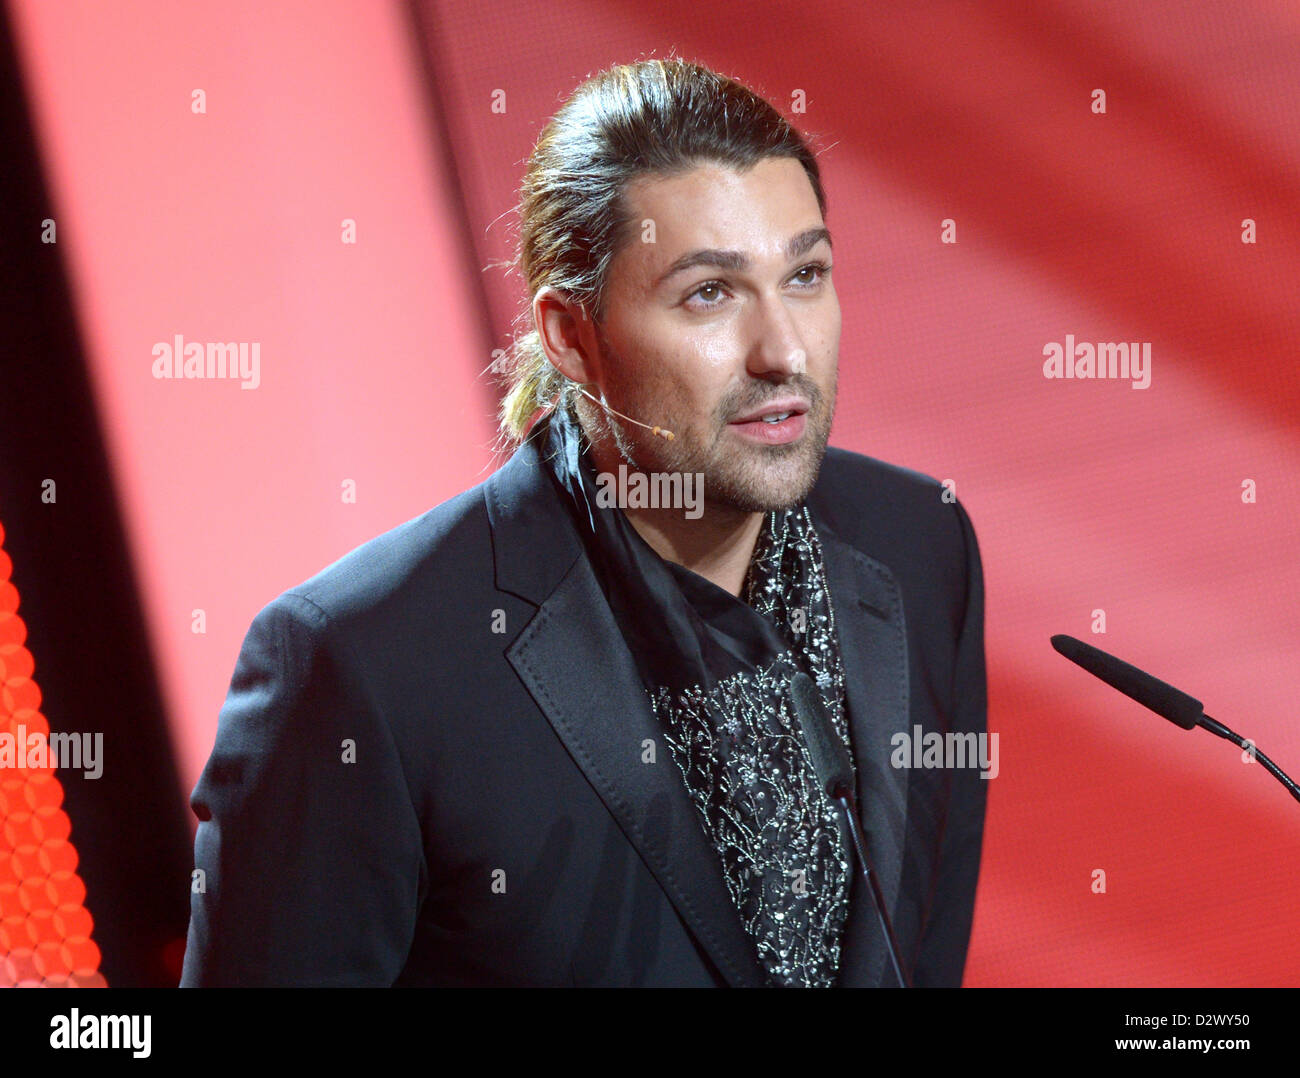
<point>827,352</point>
<point>826,329</point>
<point>833,341</point>
<point>713,353</point>
<point>692,380</point>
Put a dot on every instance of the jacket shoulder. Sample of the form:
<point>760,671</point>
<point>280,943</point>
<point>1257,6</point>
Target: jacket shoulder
<point>853,489</point>
<point>843,470</point>
<point>426,559</point>
<point>907,520</point>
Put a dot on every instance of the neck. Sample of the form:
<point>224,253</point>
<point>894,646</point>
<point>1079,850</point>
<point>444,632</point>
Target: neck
<point>718,544</point>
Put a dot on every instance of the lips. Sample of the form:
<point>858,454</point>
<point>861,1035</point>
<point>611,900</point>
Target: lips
<point>775,411</point>
<point>777,423</point>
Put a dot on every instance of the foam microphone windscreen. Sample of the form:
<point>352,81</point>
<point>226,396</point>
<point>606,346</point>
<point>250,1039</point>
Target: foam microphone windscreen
<point>1160,697</point>
<point>830,759</point>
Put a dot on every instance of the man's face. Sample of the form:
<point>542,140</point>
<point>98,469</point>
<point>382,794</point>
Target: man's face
<point>751,328</point>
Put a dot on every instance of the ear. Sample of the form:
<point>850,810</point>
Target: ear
<point>567,334</point>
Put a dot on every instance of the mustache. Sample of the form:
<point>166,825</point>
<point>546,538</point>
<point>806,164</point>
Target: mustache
<point>746,399</point>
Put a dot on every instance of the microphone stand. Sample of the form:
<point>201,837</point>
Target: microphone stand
<point>843,797</point>
<point>834,769</point>
<point>1160,697</point>
<point>1216,727</point>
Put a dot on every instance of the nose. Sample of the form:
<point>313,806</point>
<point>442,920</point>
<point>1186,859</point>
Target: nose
<point>777,351</point>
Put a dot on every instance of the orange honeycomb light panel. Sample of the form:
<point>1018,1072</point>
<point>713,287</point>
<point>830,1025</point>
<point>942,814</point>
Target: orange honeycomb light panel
<point>45,928</point>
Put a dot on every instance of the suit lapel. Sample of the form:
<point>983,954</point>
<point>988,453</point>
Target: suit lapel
<point>869,622</point>
<point>572,659</point>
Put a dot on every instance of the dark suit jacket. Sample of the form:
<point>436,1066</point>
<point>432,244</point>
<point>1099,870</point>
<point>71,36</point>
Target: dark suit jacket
<point>429,767</point>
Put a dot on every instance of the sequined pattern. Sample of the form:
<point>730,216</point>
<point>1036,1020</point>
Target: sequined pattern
<point>741,752</point>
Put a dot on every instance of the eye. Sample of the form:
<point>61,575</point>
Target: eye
<point>820,268</point>
<point>707,286</point>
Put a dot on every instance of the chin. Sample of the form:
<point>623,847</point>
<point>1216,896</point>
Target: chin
<point>762,485</point>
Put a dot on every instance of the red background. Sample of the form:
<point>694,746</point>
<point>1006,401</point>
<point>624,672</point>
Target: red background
<point>1086,495</point>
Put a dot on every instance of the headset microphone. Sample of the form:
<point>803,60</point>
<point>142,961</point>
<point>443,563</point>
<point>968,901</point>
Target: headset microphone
<point>663,432</point>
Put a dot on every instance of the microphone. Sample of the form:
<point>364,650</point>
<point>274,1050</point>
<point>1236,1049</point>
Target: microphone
<point>830,760</point>
<point>1160,697</point>
<point>663,432</point>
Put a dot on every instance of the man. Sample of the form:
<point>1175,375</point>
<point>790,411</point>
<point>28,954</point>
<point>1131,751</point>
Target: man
<point>544,733</point>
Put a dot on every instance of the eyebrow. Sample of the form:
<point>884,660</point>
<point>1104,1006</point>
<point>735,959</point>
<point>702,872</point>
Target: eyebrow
<point>738,261</point>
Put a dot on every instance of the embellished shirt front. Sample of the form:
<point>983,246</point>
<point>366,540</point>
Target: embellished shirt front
<point>717,670</point>
<point>741,752</point>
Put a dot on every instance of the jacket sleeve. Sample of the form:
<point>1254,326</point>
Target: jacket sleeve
<point>308,856</point>
<point>942,956</point>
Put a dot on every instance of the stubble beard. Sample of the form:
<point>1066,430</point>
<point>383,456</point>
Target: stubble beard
<point>739,476</point>
<point>755,478</point>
